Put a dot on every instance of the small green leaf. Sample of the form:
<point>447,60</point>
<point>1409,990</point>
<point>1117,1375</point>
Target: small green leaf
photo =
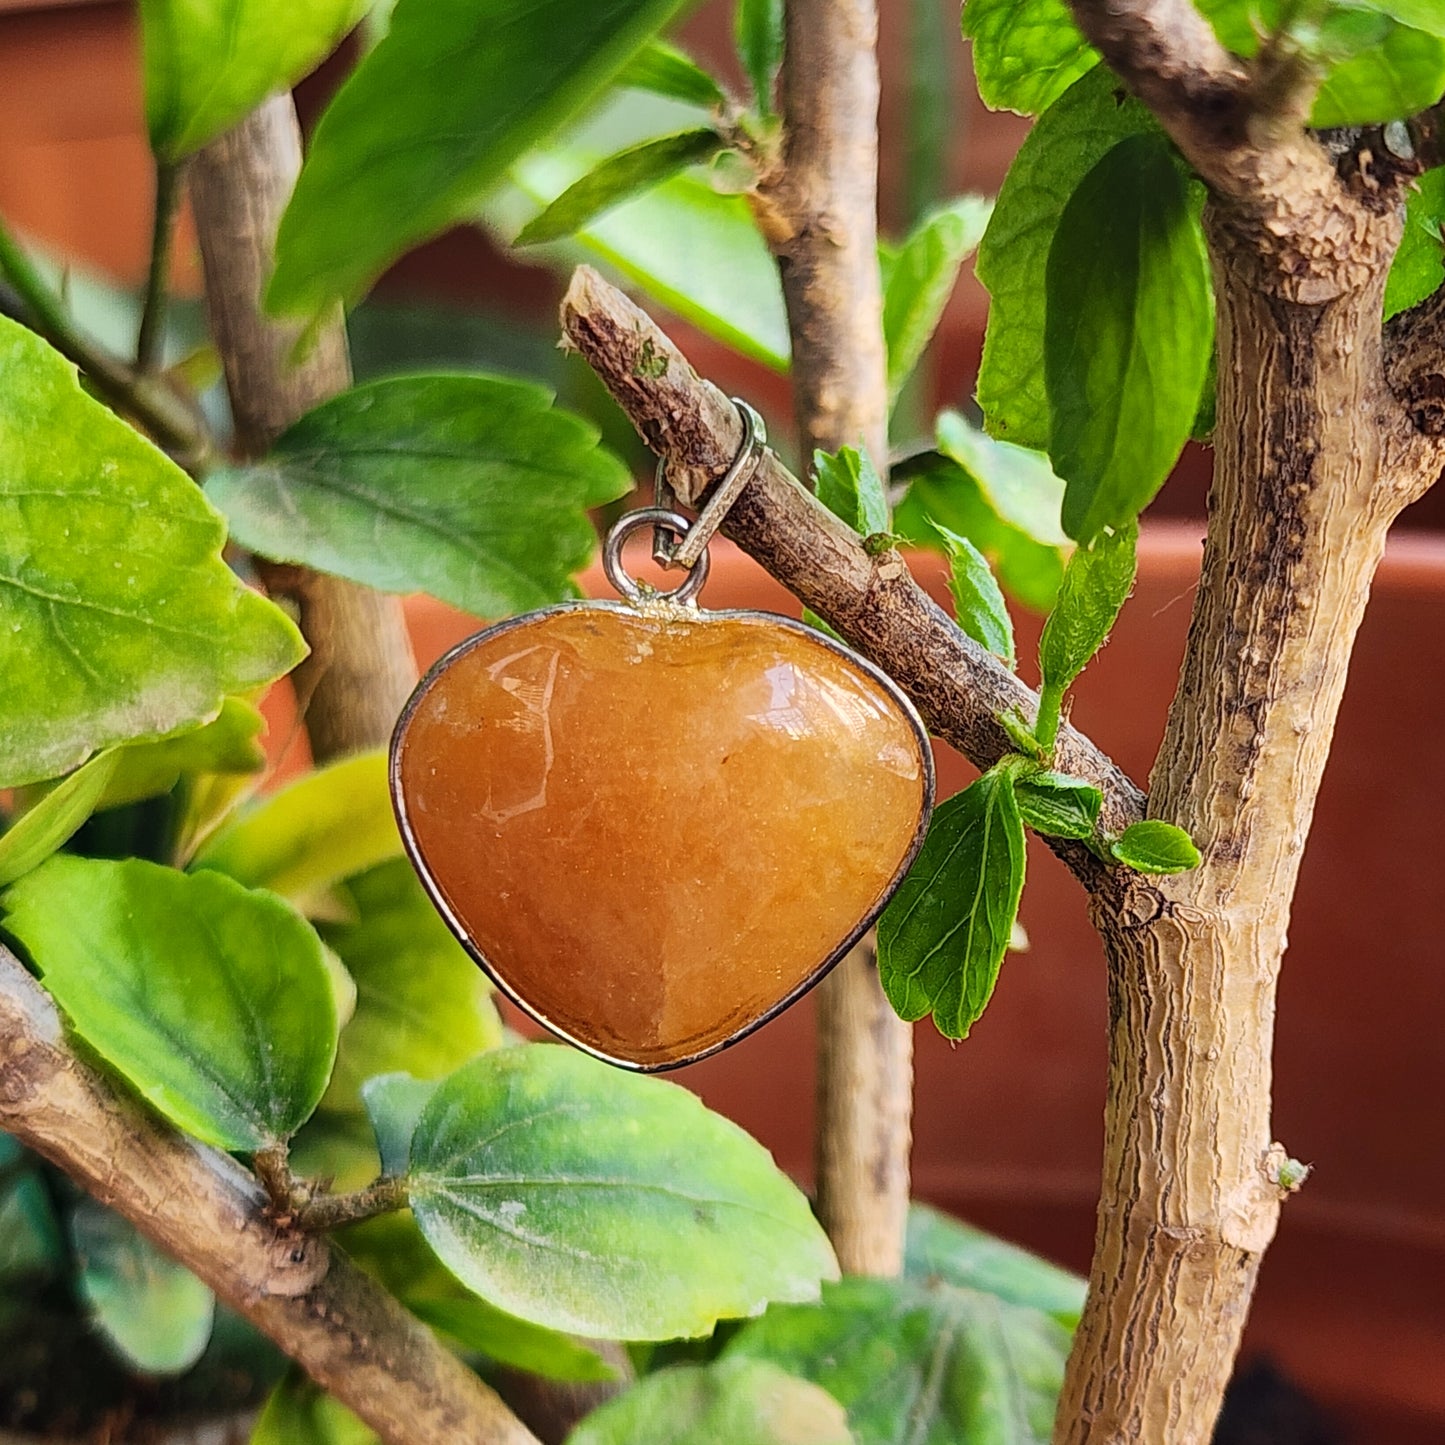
<point>325,826</point>
<point>1058,805</point>
<point>943,936</point>
<point>1019,483</point>
<point>941,1248</point>
<point>921,278</point>
<point>432,118</point>
<point>619,177</point>
<point>726,1403</point>
<point>1155,847</point>
<point>1419,266</point>
<point>300,1413</point>
<point>1096,583</point>
<point>228,744</point>
<point>1026,53</point>
<point>943,494</point>
<point>605,1203</point>
<point>394,1103</point>
<point>50,824</point>
<point>664,70</point>
<point>392,1250</point>
<point>422,1005</point>
<point>692,250</point>
<point>1370,78</point>
<point>758,31</point>
<point>118,618</point>
<point>154,1313</point>
<point>1128,334</point>
<point>208,63</point>
<point>31,1247</point>
<point>472,488</point>
<point>212,1000</point>
<point>978,604</point>
<point>849,486</point>
<point>1071,136</point>
<point>1427,15</point>
<point>930,1364</point>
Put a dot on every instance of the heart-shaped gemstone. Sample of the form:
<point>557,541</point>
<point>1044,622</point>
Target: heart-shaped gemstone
<point>654,827</point>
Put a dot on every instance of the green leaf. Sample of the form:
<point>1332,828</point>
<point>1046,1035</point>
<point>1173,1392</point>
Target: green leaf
<point>921,279</point>
<point>926,1364</point>
<point>941,1248</point>
<point>1096,583</point>
<point>211,999</point>
<point>391,1249</point>
<point>941,493</point>
<point>1026,53</point>
<point>153,1312</point>
<point>725,1403</point>
<point>1074,133</point>
<point>1128,334</point>
<point>758,31</point>
<point>605,1203</point>
<point>422,1005</point>
<point>31,1246</point>
<point>1155,847</point>
<point>977,602</point>
<point>472,488</point>
<point>1058,805</point>
<point>394,1103</point>
<point>1018,483</point>
<point>119,619</point>
<point>943,936</point>
<point>1393,80</point>
<point>208,63</point>
<point>50,824</point>
<point>618,177</point>
<point>849,486</point>
<point>300,1413</point>
<point>1391,77</point>
<point>1419,266</point>
<point>432,118</point>
<point>1427,15</point>
<point>692,250</point>
<point>228,744</point>
<point>325,826</point>
<point>664,70</point>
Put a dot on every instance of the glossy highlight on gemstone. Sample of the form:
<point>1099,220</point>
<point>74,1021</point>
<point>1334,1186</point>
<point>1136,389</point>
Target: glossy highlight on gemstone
<point>656,826</point>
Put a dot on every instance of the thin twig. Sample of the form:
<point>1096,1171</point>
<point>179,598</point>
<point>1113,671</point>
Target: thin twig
<point>145,399</point>
<point>151,335</point>
<point>961,689</point>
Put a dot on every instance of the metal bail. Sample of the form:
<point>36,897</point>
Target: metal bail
<point>671,548</point>
<point>663,520</point>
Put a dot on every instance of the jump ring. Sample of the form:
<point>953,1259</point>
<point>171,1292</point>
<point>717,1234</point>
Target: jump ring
<point>623,528</point>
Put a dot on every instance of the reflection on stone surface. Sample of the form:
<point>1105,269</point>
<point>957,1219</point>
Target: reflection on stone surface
<point>656,827</point>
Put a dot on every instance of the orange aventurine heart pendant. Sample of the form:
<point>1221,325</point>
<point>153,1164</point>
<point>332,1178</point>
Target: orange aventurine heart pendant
<point>654,827</point>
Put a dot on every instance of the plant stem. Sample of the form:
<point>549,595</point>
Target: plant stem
<point>145,399</point>
<point>323,1212</point>
<point>825,201</point>
<point>360,671</point>
<point>203,1208</point>
<point>1046,726</point>
<point>151,335</point>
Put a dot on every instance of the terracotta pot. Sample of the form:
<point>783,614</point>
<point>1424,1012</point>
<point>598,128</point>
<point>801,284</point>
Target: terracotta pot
<point>1008,1124</point>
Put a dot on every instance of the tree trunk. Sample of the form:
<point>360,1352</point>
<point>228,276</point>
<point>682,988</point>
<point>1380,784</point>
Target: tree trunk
<point>353,686</point>
<point>1298,517</point>
<point>823,227</point>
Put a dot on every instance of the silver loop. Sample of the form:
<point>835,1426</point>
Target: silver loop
<point>685,551</point>
<point>632,590</point>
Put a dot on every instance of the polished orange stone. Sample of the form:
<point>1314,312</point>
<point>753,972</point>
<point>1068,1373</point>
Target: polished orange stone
<point>654,827</point>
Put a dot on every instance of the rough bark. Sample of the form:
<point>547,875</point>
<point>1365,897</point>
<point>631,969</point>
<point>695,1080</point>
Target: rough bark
<point>360,670</point>
<point>960,689</point>
<point>822,212</point>
<point>1314,458</point>
<point>201,1206</point>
